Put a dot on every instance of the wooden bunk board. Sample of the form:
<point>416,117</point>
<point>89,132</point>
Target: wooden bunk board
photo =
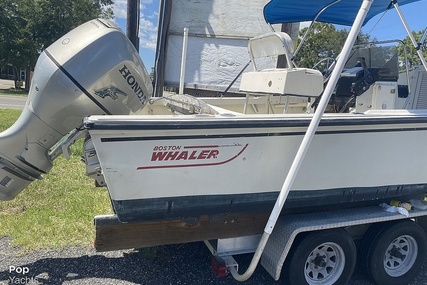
<point>111,234</point>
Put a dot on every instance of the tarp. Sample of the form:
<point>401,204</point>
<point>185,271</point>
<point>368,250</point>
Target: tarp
<point>341,13</point>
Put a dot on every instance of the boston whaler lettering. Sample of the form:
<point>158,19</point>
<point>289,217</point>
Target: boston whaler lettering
<point>189,153</point>
<point>268,160</point>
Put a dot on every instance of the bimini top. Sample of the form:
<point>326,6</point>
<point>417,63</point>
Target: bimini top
<point>342,13</point>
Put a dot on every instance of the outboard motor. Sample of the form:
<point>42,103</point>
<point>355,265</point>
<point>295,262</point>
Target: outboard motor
<point>94,69</point>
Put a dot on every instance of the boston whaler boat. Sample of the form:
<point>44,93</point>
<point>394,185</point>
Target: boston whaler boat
<point>219,161</point>
<point>177,156</point>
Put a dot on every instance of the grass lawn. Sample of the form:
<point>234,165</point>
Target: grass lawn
<point>14,92</point>
<point>57,211</point>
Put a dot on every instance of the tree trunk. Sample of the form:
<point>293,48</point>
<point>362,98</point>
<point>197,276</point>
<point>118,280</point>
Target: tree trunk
<point>27,78</point>
<point>15,77</point>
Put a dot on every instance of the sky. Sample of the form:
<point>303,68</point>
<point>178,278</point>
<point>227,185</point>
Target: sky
<point>388,28</point>
<point>147,27</point>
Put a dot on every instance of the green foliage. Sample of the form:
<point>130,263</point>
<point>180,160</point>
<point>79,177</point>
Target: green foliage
<point>413,58</point>
<point>59,17</point>
<point>324,41</point>
<point>13,92</point>
<point>16,42</point>
<point>56,211</point>
<point>29,26</point>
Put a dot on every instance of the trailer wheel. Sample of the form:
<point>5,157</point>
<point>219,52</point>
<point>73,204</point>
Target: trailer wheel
<point>396,253</point>
<point>322,258</point>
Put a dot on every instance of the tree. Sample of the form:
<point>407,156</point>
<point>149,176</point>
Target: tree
<point>324,41</point>
<point>14,37</point>
<point>413,58</point>
<point>27,27</point>
<point>59,17</point>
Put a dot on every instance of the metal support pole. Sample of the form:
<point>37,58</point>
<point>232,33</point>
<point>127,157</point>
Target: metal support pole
<point>423,38</point>
<point>183,61</point>
<point>411,36</point>
<point>132,22</point>
<point>293,171</point>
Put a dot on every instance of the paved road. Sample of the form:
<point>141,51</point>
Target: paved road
<point>12,102</point>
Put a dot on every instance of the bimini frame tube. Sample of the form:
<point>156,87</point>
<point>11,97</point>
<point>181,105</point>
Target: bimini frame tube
<point>293,171</point>
<point>183,61</point>
<point>411,36</point>
<point>423,38</point>
<point>311,25</point>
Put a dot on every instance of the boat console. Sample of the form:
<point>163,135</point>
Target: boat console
<point>368,68</point>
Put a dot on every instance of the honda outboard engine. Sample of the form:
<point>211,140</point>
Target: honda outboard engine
<point>94,69</point>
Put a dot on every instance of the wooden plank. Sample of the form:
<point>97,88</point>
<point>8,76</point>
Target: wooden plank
<point>113,235</point>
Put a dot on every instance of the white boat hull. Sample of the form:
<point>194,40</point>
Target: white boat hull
<point>158,167</point>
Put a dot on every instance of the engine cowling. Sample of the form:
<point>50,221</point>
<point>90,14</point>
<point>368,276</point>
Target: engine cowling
<point>94,69</point>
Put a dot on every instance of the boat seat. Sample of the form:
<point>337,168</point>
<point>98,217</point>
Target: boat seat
<point>282,81</point>
<point>278,81</point>
<point>271,45</point>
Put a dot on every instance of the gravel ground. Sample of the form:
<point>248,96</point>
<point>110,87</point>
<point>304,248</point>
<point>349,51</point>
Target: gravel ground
<point>173,264</point>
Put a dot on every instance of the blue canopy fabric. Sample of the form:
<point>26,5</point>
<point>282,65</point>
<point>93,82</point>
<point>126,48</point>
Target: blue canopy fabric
<point>341,13</point>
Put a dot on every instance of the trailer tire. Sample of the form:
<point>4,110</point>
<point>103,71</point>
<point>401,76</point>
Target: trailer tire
<point>366,243</point>
<point>394,253</point>
<point>321,258</point>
